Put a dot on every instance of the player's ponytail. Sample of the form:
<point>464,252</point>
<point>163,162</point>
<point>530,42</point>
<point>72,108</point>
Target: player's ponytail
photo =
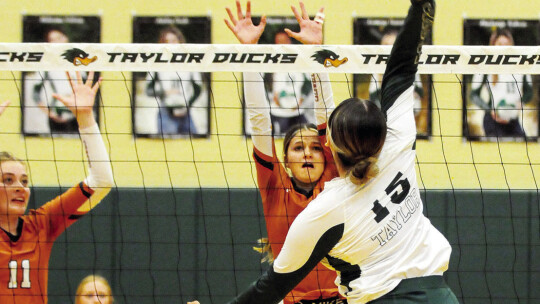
<point>364,170</point>
<point>357,130</point>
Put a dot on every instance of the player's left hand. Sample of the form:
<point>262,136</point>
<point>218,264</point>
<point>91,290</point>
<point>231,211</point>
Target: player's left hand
<point>3,106</point>
<point>81,102</point>
<point>194,302</point>
<point>311,31</point>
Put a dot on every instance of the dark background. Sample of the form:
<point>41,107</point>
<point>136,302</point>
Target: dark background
<point>175,245</point>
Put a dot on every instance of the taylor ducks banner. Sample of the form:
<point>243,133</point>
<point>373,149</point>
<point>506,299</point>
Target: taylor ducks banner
<point>262,58</point>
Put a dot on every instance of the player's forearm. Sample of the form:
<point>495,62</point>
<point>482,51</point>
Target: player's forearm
<point>258,112</point>
<point>324,97</point>
<point>288,270</point>
<point>100,177</point>
<point>403,62</point>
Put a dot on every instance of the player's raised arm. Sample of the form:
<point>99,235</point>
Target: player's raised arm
<point>403,62</point>
<point>81,104</point>
<point>311,32</point>
<point>254,91</point>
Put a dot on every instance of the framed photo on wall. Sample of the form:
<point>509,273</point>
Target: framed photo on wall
<point>500,107</point>
<point>43,115</point>
<point>289,95</point>
<point>171,104</point>
<point>372,31</point>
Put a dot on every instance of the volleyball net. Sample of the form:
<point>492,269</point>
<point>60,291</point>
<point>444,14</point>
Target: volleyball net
<point>186,212</point>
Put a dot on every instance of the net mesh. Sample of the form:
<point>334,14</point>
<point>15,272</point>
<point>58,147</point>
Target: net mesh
<point>185,212</point>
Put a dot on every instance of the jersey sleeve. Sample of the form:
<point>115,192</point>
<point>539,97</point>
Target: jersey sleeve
<point>324,105</point>
<point>397,99</point>
<point>61,212</point>
<point>258,113</point>
<point>403,62</point>
<point>324,98</point>
<point>311,237</point>
<point>100,178</point>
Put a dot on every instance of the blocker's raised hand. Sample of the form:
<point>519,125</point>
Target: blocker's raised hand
<point>243,28</point>
<point>81,102</point>
<point>311,31</point>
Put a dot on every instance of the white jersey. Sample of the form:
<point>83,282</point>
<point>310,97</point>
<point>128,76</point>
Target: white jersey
<point>176,89</point>
<point>377,220</point>
<point>505,94</point>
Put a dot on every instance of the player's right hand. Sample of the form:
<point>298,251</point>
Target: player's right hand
<point>311,31</point>
<point>194,302</point>
<point>3,106</point>
<point>243,28</point>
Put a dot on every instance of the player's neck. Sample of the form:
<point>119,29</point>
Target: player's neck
<point>304,186</point>
<point>9,224</point>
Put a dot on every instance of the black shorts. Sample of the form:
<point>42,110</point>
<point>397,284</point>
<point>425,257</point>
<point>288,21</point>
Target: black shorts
<point>432,289</point>
<point>335,300</point>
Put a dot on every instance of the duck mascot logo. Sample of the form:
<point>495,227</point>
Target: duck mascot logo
<point>328,58</point>
<point>78,57</point>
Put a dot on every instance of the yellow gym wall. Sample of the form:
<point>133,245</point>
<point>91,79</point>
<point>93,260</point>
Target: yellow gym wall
<point>225,161</point>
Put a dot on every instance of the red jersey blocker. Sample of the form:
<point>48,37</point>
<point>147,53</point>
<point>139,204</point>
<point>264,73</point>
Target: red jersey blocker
<point>282,202</point>
<point>24,259</point>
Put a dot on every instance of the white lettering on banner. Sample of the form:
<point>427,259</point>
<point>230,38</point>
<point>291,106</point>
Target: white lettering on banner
<point>400,217</point>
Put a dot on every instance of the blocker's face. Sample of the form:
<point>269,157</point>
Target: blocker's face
<point>14,190</point>
<point>305,157</point>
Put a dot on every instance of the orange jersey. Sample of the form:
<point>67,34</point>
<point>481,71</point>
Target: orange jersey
<point>24,259</point>
<point>282,202</point>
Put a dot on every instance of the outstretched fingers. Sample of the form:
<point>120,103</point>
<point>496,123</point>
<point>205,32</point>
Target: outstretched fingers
<point>79,77</point>
<point>239,10</point>
<point>296,14</point>
<point>90,79</point>
<point>231,16</point>
<point>292,34</point>
<point>4,105</point>
<point>62,99</point>
<point>248,10</point>
<point>96,86</point>
<point>305,15</point>
<point>319,17</point>
<point>263,22</point>
<point>71,82</point>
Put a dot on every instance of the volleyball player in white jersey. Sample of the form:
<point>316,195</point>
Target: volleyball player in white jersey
<point>368,223</point>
